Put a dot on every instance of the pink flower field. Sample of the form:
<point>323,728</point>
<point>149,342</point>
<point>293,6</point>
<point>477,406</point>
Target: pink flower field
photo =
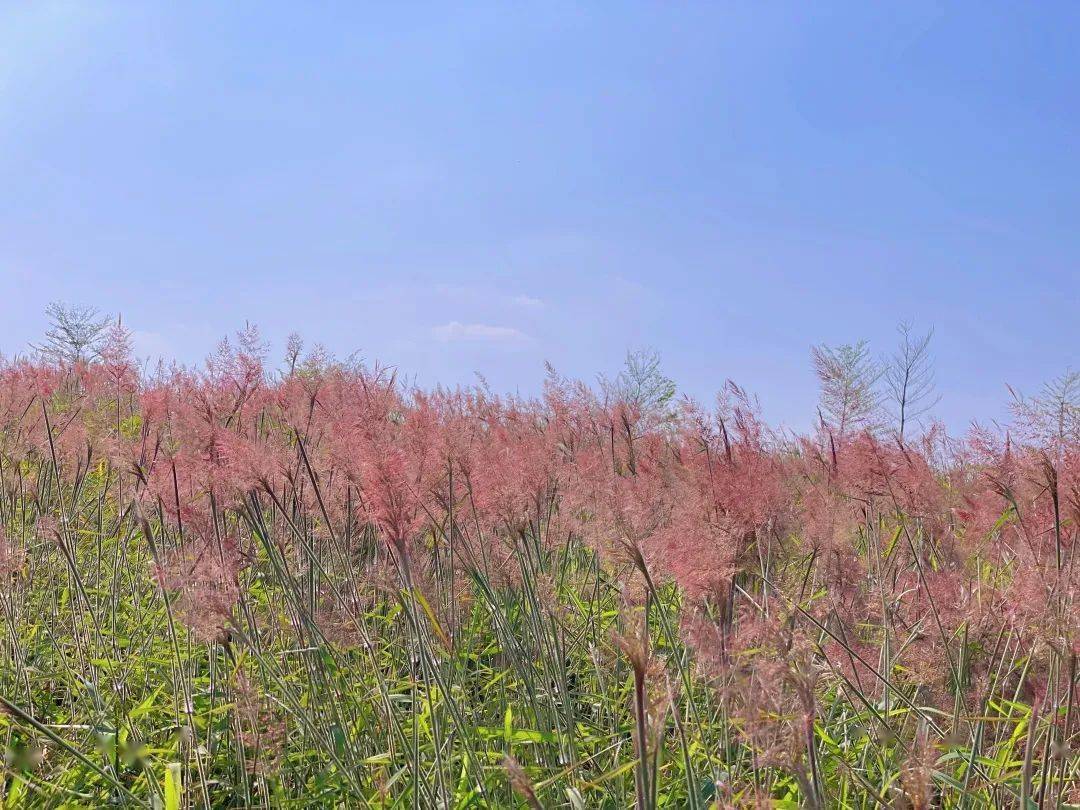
<point>255,584</point>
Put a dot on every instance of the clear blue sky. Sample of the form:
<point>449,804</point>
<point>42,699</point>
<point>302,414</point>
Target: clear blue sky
<point>488,187</point>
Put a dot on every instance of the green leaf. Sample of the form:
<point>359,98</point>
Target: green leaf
<point>173,788</point>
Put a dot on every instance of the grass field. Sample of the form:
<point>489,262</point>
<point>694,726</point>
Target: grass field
<point>316,588</point>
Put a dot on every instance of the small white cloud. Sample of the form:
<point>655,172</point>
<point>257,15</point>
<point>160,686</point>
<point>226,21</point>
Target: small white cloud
<point>150,345</point>
<point>527,301</point>
<point>478,332</point>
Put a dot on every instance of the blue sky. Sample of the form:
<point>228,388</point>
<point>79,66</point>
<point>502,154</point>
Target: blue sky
<point>483,188</point>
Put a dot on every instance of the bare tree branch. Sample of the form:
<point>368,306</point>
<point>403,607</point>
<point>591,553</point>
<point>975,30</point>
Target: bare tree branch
<point>1052,417</point>
<point>909,378</point>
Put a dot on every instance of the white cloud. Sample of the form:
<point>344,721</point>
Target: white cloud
<point>478,332</point>
<point>461,294</point>
<point>151,345</point>
<point>527,301</point>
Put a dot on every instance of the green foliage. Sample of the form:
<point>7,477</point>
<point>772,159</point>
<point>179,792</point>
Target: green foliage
<point>109,701</point>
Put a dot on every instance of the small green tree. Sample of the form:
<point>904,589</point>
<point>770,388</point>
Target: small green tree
<point>76,334</point>
<point>847,375</point>
<point>642,384</point>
